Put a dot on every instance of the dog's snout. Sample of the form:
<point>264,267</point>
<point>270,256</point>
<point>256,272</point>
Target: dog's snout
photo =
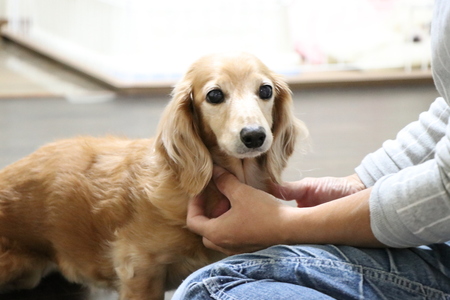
<point>253,136</point>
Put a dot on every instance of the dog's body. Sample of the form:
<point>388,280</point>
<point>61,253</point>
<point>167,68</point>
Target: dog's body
<point>112,212</point>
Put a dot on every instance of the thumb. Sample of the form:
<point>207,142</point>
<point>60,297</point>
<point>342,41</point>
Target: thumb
<point>225,182</point>
<point>196,220</point>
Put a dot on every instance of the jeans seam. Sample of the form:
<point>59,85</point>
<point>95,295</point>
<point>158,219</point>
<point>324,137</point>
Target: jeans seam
<point>368,272</point>
<point>400,281</point>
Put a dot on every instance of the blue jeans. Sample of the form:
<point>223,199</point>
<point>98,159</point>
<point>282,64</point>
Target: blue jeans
<point>324,272</point>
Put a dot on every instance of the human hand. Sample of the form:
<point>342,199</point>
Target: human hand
<point>254,221</point>
<point>310,192</point>
<point>257,220</point>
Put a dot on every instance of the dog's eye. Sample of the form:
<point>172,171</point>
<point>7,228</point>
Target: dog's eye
<point>265,92</point>
<point>215,96</point>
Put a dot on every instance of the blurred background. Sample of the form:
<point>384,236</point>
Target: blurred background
<point>139,44</point>
<point>359,71</point>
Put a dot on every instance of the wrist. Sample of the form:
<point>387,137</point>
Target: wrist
<point>345,221</point>
<point>296,226</point>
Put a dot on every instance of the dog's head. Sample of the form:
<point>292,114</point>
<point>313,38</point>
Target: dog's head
<point>230,105</point>
<point>234,97</point>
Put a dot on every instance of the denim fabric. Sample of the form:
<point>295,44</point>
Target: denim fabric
<point>325,272</point>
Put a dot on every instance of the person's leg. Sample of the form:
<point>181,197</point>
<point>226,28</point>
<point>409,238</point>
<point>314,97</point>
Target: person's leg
<point>324,272</point>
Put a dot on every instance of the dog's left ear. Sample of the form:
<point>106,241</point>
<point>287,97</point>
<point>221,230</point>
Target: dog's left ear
<point>286,129</point>
<point>178,138</point>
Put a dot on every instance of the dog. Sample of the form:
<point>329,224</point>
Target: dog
<point>111,212</point>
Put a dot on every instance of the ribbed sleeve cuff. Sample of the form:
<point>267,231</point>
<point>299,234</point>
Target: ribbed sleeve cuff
<point>375,166</point>
<point>411,208</point>
<point>386,225</point>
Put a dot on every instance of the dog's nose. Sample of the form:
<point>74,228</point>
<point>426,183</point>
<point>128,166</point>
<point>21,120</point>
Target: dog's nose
<point>253,136</point>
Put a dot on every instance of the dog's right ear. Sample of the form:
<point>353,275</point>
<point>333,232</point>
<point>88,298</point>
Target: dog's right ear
<point>179,140</point>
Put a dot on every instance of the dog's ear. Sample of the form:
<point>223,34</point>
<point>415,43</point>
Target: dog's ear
<point>178,138</point>
<point>286,129</point>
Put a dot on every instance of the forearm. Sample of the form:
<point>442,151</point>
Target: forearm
<point>344,221</point>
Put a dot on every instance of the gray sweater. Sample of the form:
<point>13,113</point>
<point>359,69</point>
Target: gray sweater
<point>410,200</point>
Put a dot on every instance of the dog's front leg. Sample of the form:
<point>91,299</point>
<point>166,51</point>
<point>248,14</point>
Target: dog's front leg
<point>141,275</point>
<point>144,285</point>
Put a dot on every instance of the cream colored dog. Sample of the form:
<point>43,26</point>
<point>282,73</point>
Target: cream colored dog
<point>111,212</point>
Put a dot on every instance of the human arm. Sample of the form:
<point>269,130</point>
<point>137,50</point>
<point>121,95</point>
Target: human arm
<point>409,204</point>
<point>410,176</point>
<point>410,201</point>
<point>257,220</point>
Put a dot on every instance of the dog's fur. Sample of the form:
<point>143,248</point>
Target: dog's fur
<point>112,212</point>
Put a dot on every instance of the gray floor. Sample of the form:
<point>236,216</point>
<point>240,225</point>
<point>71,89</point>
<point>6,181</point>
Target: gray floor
<point>345,124</point>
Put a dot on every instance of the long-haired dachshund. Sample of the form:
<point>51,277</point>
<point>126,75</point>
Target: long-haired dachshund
<point>111,212</point>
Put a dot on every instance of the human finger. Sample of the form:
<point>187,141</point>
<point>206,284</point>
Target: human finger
<point>196,220</point>
<point>288,190</point>
<point>196,206</point>
<point>230,250</point>
<point>210,245</point>
<point>226,182</point>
